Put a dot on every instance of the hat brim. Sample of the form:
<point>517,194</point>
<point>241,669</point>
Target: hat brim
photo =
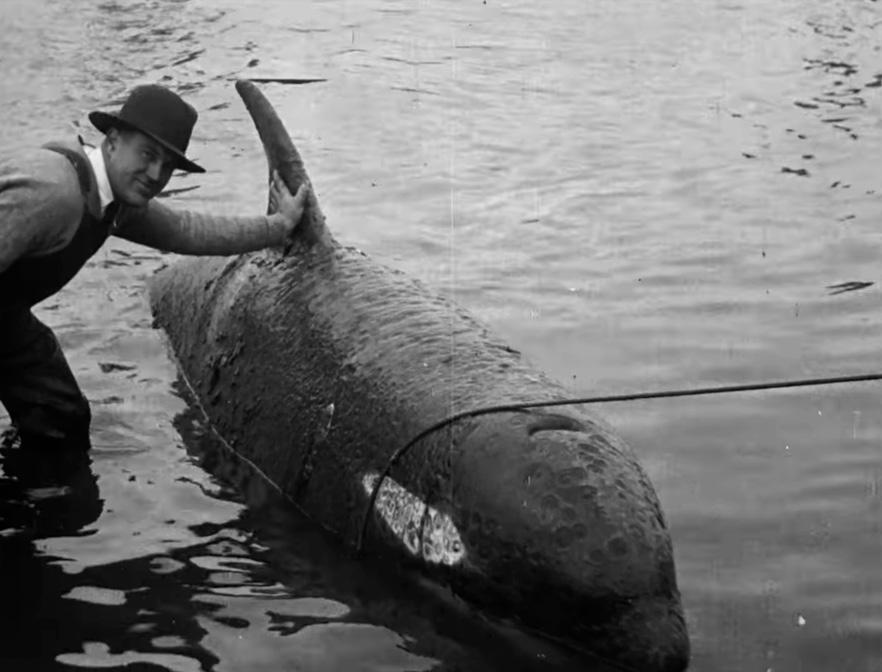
<point>104,121</point>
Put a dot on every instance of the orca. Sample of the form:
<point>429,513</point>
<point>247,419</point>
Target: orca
<point>316,363</point>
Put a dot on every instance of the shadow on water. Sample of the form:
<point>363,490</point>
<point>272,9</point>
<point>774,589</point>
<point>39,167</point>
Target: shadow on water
<point>268,590</point>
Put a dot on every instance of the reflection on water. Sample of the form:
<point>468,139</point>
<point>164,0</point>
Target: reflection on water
<point>637,196</point>
<point>262,589</point>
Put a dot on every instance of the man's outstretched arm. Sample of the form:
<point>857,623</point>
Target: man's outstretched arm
<point>184,232</point>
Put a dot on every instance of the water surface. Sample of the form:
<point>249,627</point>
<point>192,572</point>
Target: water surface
<point>638,196</point>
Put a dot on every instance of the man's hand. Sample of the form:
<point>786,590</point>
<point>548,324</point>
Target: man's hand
<point>288,208</point>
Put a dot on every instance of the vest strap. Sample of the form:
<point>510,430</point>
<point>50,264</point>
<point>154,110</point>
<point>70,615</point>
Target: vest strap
<point>80,163</point>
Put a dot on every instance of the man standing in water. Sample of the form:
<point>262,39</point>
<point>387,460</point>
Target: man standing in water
<point>58,205</point>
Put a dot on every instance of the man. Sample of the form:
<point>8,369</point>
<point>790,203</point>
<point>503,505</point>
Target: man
<point>58,204</point>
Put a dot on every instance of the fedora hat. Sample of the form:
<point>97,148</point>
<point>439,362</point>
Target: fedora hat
<point>158,113</point>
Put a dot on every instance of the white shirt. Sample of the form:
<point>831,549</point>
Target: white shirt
<point>105,193</point>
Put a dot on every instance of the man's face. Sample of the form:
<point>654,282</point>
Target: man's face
<point>138,167</point>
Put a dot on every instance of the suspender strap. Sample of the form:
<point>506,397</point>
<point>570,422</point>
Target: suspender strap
<point>80,163</point>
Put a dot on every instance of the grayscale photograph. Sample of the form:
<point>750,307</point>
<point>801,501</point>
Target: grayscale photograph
<point>435,336</point>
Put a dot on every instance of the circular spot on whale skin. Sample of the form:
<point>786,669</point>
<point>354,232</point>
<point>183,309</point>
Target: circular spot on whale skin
<point>550,502</point>
<point>563,537</point>
<point>597,556</point>
<point>536,472</point>
<point>570,495</point>
<point>594,464</point>
<point>595,444</point>
<point>617,546</point>
<point>589,493</point>
<point>571,476</point>
<point>567,535</point>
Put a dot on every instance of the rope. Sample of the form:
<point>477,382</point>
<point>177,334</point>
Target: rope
<point>663,394</point>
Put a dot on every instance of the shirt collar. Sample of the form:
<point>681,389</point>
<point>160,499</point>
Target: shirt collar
<point>96,158</point>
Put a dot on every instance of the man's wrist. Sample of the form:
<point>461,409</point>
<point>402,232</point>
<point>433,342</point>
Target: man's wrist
<point>275,229</point>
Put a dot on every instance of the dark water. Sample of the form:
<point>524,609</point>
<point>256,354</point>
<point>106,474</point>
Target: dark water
<point>637,196</point>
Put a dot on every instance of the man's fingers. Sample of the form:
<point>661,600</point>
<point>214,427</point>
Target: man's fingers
<point>281,198</point>
<point>276,184</point>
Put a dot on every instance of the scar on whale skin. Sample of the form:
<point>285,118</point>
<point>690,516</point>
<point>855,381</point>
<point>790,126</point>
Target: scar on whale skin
<point>424,531</point>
